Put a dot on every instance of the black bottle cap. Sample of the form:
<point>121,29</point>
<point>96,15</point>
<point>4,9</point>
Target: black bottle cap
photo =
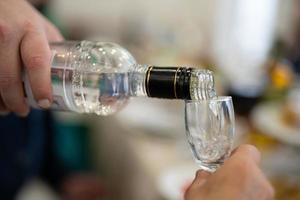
<point>168,82</point>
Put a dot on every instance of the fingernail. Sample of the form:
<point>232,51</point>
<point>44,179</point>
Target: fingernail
<point>44,103</point>
<point>3,113</point>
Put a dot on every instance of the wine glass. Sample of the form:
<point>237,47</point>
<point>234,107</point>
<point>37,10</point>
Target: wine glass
<point>210,130</point>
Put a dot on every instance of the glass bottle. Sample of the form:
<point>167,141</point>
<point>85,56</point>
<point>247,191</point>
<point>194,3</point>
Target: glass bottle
<point>100,77</point>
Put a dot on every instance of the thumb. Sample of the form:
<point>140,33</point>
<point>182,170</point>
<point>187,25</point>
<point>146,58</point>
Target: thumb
<point>201,177</point>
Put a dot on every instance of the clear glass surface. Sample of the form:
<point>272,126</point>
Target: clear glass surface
<point>97,80</point>
<point>210,130</point>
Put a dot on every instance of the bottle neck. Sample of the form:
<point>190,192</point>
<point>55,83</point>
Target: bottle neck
<point>168,82</point>
<point>171,82</point>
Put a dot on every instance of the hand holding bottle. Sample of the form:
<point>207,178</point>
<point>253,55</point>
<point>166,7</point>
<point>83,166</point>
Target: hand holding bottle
<point>24,38</point>
<point>86,77</point>
<point>238,179</point>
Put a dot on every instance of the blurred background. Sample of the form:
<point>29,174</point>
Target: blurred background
<point>253,47</point>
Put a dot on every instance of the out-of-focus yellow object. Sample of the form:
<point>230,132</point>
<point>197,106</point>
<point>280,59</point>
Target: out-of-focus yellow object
<point>289,117</point>
<point>281,76</point>
<point>285,190</point>
<point>263,142</point>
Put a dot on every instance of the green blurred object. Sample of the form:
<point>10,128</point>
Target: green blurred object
<point>71,145</point>
<point>46,11</point>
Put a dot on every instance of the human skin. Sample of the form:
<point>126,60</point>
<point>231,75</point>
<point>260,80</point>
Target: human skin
<point>240,178</point>
<point>24,45</point>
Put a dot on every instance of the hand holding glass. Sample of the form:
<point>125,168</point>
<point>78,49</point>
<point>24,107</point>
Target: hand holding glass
<point>210,130</point>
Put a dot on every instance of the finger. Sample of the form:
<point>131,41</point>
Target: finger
<point>247,150</point>
<point>52,33</point>
<point>36,58</point>
<point>201,174</point>
<point>260,184</point>
<point>201,177</point>
<point>3,110</point>
<point>10,71</point>
<point>2,105</point>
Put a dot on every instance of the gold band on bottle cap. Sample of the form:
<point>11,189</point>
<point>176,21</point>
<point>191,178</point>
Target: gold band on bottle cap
<point>148,78</point>
<point>168,82</point>
<point>175,82</point>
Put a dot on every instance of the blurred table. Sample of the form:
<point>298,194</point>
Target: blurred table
<point>279,143</point>
<point>135,163</point>
<point>139,164</point>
